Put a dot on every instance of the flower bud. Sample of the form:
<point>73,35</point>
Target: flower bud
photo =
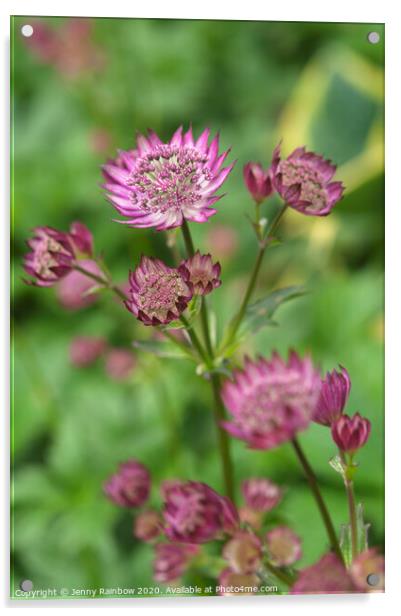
<point>328,575</point>
<point>350,433</point>
<point>84,350</point>
<point>201,274</point>
<point>147,525</point>
<point>72,290</point>
<point>120,364</point>
<point>261,494</point>
<point>243,552</point>
<point>333,397</point>
<point>130,486</point>
<point>258,181</point>
<point>51,258</point>
<point>284,546</point>
<point>171,560</point>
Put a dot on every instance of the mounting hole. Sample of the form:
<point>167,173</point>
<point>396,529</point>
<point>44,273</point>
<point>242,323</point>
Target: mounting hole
<point>374,38</point>
<point>26,585</point>
<point>373,579</point>
<point>27,30</point>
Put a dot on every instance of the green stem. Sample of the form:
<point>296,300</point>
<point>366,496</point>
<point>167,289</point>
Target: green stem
<point>223,438</point>
<point>194,339</point>
<point>205,327</point>
<point>102,281</point>
<point>189,245</point>
<point>263,244</point>
<point>311,477</point>
<point>349,488</point>
<point>280,575</point>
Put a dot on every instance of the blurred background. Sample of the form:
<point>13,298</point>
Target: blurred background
<point>80,90</point>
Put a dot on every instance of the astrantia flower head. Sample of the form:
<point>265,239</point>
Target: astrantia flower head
<point>158,294</point>
<point>243,552</point>
<point>201,273</point>
<point>270,401</point>
<point>261,494</point>
<point>234,584</point>
<point>195,513</point>
<point>51,258</point>
<point>130,486</point>
<point>164,183</point>
<point>258,181</point>
<point>147,525</point>
<point>328,575</point>
<point>73,290</point>
<point>350,433</point>
<point>333,397</point>
<point>171,560</point>
<point>284,546</point>
<point>303,180</point>
<point>367,563</point>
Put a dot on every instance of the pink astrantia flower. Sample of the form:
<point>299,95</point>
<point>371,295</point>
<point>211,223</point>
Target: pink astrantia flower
<point>130,486</point>
<point>172,560</point>
<point>195,513</point>
<point>258,181</point>
<point>303,180</point>
<point>51,258</point>
<point>333,397</point>
<point>243,552</point>
<point>350,433</point>
<point>261,494</point>
<point>120,364</point>
<point>82,239</point>
<point>233,584</point>
<point>84,350</point>
<point>147,525</point>
<point>328,575</point>
<point>284,546</point>
<point>158,293</point>
<point>270,401</point>
<point>73,289</point>
<point>165,183</point>
<point>366,564</point>
<point>201,273</point>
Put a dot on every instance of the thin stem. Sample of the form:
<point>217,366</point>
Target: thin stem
<point>184,347</point>
<point>194,339</point>
<point>223,438</point>
<point>102,281</point>
<point>349,488</point>
<point>263,244</point>
<point>189,245</point>
<point>281,575</point>
<point>205,327</point>
<point>324,512</point>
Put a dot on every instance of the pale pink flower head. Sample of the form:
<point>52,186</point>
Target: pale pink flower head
<point>328,575</point>
<point>258,181</point>
<point>172,560</point>
<point>303,181</point>
<point>84,350</point>
<point>261,494</point>
<point>51,257</point>
<point>333,397</point>
<point>231,583</point>
<point>158,294</point>
<point>147,525</point>
<point>195,513</point>
<point>284,546</point>
<point>120,364</point>
<point>366,565</point>
<point>168,182</point>
<point>73,291</point>
<point>350,433</point>
<point>201,273</point>
<point>243,552</point>
<point>130,486</point>
<point>270,401</point>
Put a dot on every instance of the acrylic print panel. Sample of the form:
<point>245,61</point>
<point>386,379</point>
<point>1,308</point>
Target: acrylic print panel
<point>198,315</point>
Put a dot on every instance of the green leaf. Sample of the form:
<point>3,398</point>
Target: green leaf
<point>260,313</point>
<point>362,536</point>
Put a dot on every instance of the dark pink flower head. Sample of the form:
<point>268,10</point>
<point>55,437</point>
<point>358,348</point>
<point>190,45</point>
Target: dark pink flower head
<point>147,525</point>
<point>261,494</point>
<point>350,433</point>
<point>194,513</point>
<point>258,181</point>
<point>82,239</point>
<point>303,180</point>
<point>366,564</point>
<point>120,364</point>
<point>73,290</point>
<point>270,401</point>
<point>243,552</point>
<point>333,397</point>
<point>284,546</point>
<point>166,183</point>
<point>201,273</point>
<point>158,293</point>
<point>172,560</point>
<point>130,486</point>
<point>328,575</point>
<point>84,350</point>
<point>51,258</point>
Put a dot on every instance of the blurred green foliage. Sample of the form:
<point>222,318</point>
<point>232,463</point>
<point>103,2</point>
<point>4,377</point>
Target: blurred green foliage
<point>70,426</point>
